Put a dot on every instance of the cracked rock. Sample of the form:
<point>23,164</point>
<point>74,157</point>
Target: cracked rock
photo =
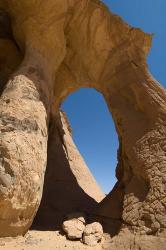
<point>74,226</point>
<point>93,234</point>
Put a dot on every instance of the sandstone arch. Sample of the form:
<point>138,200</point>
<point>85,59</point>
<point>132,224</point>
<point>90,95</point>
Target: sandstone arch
<point>66,45</point>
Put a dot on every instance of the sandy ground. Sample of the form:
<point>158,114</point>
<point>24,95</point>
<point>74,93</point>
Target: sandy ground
<point>43,240</point>
<point>52,240</point>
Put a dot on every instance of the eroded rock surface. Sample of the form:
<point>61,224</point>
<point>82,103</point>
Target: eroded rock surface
<point>74,226</point>
<point>54,48</point>
<point>93,234</point>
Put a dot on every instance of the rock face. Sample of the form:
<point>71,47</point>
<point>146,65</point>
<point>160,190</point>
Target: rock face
<point>56,47</point>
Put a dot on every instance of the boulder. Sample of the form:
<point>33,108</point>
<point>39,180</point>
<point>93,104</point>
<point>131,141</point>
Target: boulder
<point>74,226</point>
<point>93,234</point>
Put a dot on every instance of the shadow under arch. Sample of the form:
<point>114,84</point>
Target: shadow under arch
<point>62,193</point>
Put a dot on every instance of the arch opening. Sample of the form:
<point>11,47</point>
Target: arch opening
<point>94,134</point>
<point>80,182</point>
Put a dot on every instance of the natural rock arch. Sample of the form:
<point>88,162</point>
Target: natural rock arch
<point>66,45</point>
<point>94,134</point>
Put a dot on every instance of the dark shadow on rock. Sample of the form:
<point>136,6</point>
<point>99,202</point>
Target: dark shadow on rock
<point>62,193</point>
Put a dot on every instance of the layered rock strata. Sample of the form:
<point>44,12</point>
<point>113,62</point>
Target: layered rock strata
<point>48,49</point>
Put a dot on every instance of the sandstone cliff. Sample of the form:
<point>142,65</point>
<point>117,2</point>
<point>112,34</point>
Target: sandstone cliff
<point>48,49</point>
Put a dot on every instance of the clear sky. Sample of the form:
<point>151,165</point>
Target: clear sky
<point>93,128</point>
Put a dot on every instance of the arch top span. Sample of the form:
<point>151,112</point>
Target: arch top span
<point>99,44</point>
<point>65,45</point>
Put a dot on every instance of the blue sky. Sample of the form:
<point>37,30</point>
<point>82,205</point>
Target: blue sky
<point>93,128</point>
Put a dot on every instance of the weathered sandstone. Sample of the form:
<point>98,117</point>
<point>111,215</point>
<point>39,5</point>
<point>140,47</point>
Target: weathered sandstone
<point>74,227</point>
<point>93,234</point>
<point>48,49</point>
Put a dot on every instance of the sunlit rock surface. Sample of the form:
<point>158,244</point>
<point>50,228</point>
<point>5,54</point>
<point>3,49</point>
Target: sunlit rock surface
<point>48,49</point>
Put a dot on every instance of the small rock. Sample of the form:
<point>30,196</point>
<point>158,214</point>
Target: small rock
<point>74,226</point>
<point>92,234</point>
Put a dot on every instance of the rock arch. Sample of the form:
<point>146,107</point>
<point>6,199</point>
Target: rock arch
<point>66,45</point>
